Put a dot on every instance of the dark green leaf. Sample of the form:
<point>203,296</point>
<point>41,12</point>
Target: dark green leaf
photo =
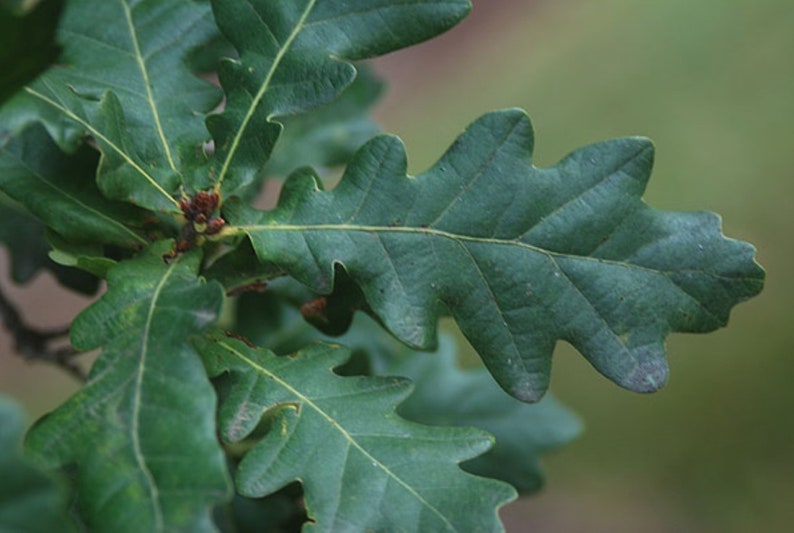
<point>150,125</point>
<point>60,190</point>
<point>445,395</point>
<point>361,466</point>
<point>277,513</point>
<point>328,135</point>
<point>142,430</point>
<point>291,60</point>
<point>520,256</point>
<point>25,240</point>
<point>239,267</point>
<point>30,501</point>
<point>27,43</point>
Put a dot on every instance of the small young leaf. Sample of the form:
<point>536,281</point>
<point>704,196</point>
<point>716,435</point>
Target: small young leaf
<point>142,430</point>
<point>520,256</point>
<point>29,500</point>
<point>361,466</point>
<point>291,60</point>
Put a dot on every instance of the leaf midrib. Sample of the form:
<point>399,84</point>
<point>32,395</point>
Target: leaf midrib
<point>147,84</point>
<point>137,395</point>
<point>97,134</point>
<point>501,242</point>
<point>338,426</point>
<point>252,228</point>
<point>282,51</point>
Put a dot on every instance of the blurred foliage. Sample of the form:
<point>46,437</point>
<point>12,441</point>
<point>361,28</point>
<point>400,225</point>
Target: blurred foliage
<point>711,82</point>
<point>27,41</point>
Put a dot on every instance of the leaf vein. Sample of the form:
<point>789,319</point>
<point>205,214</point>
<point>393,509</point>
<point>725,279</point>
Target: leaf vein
<point>282,51</point>
<point>96,133</point>
<point>137,400</point>
<point>148,85</point>
<point>345,434</point>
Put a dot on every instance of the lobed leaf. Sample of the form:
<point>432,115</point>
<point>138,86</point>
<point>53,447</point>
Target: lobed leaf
<point>124,81</point>
<point>446,395</point>
<point>361,466</point>
<point>25,240</point>
<point>292,59</point>
<point>60,190</point>
<point>147,410</point>
<point>443,395</point>
<point>520,256</point>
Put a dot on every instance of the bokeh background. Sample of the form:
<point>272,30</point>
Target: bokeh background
<point>712,83</point>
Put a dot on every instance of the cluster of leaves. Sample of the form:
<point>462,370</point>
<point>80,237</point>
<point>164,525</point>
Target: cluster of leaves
<point>119,158</point>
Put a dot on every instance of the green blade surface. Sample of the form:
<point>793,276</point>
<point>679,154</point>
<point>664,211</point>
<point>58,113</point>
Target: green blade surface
<point>124,80</point>
<point>292,59</point>
<point>61,191</point>
<point>361,466</point>
<point>520,256</point>
<point>147,410</point>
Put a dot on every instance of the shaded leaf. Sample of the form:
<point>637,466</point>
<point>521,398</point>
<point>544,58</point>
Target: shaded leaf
<point>445,395</point>
<point>26,243</point>
<point>239,267</point>
<point>292,59</point>
<point>124,80</point>
<point>30,501</point>
<point>277,513</point>
<point>60,190</point>
<point>27,43</point>
<point>520,256</point>
<point>147,410</point>
<point>361,466</point>
<point>86,257</point>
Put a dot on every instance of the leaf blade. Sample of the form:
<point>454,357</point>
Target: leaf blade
<point>361,467</point>
<point>292,58</point>
<point>147,408</point>
<point>124,79</point>
<point>59,189</point>
<point>520,256</point>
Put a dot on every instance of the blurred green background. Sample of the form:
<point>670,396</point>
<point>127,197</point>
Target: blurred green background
<point>712,83</point>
